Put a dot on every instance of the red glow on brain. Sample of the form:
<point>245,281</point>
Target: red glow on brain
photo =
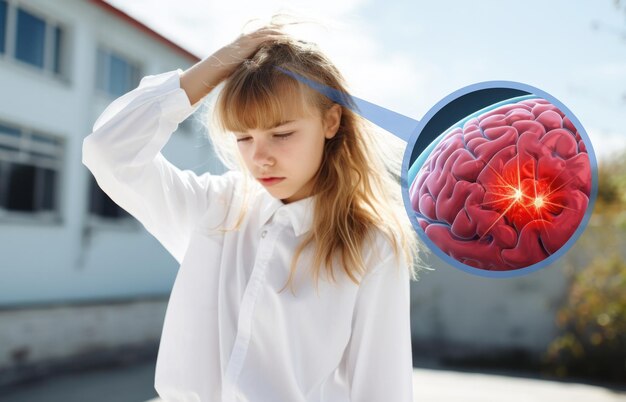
<point>506,190</point>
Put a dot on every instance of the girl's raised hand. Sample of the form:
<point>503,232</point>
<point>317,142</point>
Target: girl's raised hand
<point>230,56</point>
<point>202,77</point>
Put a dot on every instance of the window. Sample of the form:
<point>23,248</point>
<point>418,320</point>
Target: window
<point>31,37</point>
<point>29,169</point>
<point>35,40</point>
<point>116,75</point>
<point>102,206</point>
<point>3,24</point>
<point>57,58</point>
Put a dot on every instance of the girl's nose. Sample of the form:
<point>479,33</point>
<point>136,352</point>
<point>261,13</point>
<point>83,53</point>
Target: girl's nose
<point>261,154</point>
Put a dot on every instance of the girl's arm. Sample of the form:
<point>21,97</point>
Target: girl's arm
<point>123,154</point>
<point>378,362</point>
<point>123,151</point>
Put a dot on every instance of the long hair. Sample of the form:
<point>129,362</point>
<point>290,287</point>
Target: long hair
<point>356,193</point>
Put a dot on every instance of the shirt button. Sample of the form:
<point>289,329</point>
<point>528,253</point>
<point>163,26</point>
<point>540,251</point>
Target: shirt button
<point>263,233</point>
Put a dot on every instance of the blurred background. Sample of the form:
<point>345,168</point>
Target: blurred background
<point>83,287</point>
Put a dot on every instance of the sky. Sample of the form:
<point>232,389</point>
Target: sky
<point>408,55</point>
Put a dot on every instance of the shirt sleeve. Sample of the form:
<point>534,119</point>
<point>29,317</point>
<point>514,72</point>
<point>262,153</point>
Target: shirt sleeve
<point>124,155</point>
<point>378,362</point>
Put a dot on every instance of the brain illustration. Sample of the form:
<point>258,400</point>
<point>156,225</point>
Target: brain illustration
<point>506,187</point>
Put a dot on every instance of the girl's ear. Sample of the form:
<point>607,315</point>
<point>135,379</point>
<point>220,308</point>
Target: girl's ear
<point>332,120</point>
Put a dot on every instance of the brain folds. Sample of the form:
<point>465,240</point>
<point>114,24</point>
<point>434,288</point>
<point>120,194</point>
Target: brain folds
<point>506,189</point>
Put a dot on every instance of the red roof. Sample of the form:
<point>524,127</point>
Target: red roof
<point>142,27</point>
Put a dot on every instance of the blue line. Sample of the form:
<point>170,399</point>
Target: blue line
<point>397,124</point>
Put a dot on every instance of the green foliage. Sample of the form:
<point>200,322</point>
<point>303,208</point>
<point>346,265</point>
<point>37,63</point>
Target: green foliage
<point>608,192</point>
<point>612,182</point>
<point>593,343</point>
<point>592,318</point>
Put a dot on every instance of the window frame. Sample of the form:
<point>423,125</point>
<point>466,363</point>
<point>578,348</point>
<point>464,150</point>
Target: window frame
<point>109,50</point>
<point>50,57</point>
<point>25,146</point>
<point>6,27</point>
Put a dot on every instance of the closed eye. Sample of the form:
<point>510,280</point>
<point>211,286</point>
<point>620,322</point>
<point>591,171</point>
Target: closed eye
<point>278,136</point>
<point>283,136</point>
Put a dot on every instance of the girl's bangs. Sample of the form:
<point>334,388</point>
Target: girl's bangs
<point>263,105</point>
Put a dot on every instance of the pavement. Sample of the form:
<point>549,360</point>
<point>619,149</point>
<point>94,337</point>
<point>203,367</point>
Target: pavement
<point>446,386</point>
<point>135,384</point>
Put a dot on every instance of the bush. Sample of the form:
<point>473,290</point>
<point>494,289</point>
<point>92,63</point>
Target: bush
<point>593,317</point>
<point>593,343</point>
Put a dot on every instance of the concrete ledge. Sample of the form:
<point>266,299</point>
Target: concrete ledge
<point>127,355</point>
<point>40,341</point>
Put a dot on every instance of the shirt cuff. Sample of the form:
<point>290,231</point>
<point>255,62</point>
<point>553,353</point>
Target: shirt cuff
<point>175,107</point>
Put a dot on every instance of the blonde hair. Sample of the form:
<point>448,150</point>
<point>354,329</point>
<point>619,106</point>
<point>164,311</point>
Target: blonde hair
<point>356,193</point>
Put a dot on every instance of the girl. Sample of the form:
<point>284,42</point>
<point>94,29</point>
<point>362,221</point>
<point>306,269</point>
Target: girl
<point>306,203</point>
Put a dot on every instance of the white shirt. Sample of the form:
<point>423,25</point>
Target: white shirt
<point>228,334</point>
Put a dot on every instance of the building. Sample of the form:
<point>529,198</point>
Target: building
<point>78,275</point>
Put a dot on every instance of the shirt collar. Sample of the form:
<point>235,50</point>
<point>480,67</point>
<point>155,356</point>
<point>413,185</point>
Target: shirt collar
<point>299,214</point>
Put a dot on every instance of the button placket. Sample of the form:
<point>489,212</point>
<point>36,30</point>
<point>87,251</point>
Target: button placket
<point>242,338</point>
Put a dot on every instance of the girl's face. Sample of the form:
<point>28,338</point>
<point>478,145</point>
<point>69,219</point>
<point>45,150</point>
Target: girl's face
<point>286,158</point>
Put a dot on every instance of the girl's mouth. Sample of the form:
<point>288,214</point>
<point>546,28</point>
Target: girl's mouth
<point>269,181</point>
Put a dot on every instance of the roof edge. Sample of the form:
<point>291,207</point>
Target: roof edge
<point>144,28</point>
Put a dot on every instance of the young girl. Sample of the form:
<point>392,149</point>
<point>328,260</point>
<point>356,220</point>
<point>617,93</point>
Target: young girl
<point>307,203</point>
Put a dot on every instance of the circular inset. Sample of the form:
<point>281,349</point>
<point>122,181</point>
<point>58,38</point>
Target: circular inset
<point>504,190</point>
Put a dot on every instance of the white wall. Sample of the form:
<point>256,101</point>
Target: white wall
<point>456,314</point>
<point>470,314</point>
<point>79,259</point>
